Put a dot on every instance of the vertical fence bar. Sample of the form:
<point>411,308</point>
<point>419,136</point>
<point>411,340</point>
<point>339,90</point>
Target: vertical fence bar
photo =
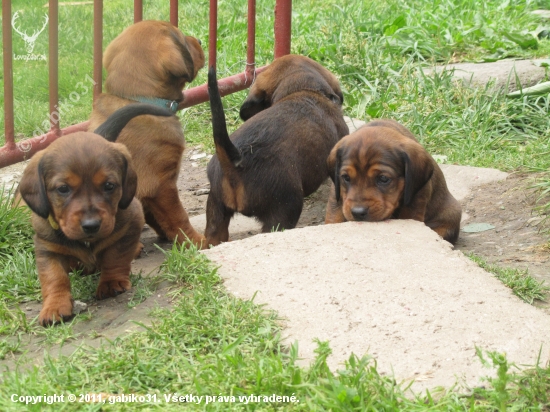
<point>251,42</point>
<point>283,25</point>
<point>138,10</point>
<point>174,12</point>
<point>53,63</point>
<point>212,33</point>
<point>98,47</point>
<point>9,129</point>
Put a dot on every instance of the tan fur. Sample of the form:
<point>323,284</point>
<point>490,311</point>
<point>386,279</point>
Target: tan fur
<point>380,171</point>
<point>152,59</point>
<point>84,165</point>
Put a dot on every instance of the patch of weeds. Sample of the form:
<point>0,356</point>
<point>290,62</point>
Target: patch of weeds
<point>59,333</point>
<point>83,286</point>
<point>522,284</point>
<point>12,319</point>
<point>15,227</point>
<point>503,378</point>
<point>9,346</point>
<point>184,265</point>
<point>18,277</point>
<point>143,288</point>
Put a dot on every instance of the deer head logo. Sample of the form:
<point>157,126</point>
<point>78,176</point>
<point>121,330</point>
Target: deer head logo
<point>29,40</point>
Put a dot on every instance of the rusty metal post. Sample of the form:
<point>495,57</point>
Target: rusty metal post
<point>9,129</point>
<point>283,25</point>
<point>98,47</point>
<point>212,33</point>
<point>53,64</point>
<point>138,10</point>
<point>174,12</point>
<point>251,42</point>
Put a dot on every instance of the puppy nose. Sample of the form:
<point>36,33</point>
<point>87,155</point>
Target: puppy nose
<point>200,42</point>
<point>90,226</point>
<point>359,213</point>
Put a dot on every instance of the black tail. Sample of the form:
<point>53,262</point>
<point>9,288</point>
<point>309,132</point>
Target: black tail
<point>224,147</point>
<point>111,128</point>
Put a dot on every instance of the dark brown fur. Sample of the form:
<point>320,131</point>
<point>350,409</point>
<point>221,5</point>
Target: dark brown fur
<point>152,59</point>
<point>278,156</point>
<point>81,191</point>
<point>380,172</point>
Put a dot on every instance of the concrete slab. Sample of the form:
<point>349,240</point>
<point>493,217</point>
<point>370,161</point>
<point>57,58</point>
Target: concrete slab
<point>505,73</point>
<point>394,290</point>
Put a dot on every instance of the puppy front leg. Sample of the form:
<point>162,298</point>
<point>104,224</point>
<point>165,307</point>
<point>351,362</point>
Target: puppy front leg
<point>334,212</point>
<point>115,273</point>
<point>57,302</point>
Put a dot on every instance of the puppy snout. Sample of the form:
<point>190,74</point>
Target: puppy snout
<point>90,226</point>
<point>360,213</point>
<point>200,42</point>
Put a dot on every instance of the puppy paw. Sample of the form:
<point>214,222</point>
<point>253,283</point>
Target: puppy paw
<point>110,288</point>
<point>55,310</point>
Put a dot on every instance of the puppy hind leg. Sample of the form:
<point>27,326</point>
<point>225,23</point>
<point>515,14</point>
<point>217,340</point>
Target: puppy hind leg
<point>171,217</point>
<point>217,221</point>
<point>153,224</point>
<point>284,215</point>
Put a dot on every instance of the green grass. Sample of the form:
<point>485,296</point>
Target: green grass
<point>211,343</point>
<point>520,281</point>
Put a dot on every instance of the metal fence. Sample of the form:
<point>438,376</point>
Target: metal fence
<point>12,153</point>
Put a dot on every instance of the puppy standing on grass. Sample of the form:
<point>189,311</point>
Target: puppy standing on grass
<point>150,62</point>
<point>380,172</point>
<point>278,156</point>
<point>81,190</point>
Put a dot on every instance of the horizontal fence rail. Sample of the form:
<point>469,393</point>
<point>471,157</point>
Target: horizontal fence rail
<point>13,152</point>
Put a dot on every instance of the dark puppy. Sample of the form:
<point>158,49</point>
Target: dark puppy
<point>151,61</point>
<point>81,191</point>
<point>278,156</point>
<point>382,172</point>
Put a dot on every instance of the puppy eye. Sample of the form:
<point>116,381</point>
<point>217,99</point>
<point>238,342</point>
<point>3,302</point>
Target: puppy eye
<point>383,180</point>
<point>63,189</point>
<point>346,178</point>
<point>108,187</point>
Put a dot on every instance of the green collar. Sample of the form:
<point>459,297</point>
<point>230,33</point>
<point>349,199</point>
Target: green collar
<point>171,105</point>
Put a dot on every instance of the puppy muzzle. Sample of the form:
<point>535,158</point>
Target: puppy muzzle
<point>360,213</point>
<point>90,226</point>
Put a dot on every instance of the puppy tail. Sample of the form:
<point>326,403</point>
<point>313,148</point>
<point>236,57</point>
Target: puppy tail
<point>225,149</point>
<point>111,128</point>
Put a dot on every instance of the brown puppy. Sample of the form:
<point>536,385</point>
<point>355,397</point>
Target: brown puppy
<point>81,191</point>
<point>151,62</point>
<point>380,172</point>
<point>278,156</point>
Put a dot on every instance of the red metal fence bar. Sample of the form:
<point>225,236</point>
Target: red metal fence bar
<point>9,130</point>
<point>138,10</point>
<point>53,63</point>
<point>98,47</point>
<point>11,153</point>
<point>174,12</point>
<point>283,19</point>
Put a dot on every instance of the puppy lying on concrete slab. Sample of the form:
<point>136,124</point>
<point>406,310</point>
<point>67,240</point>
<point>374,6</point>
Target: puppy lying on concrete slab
<point>380,172</point>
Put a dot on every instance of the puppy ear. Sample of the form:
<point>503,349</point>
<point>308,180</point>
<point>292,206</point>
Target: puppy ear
<point>334,163</point>
<point>32,187</point>
<point>254,103</point>
<point>129,177</point>
<point>419,168</point>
